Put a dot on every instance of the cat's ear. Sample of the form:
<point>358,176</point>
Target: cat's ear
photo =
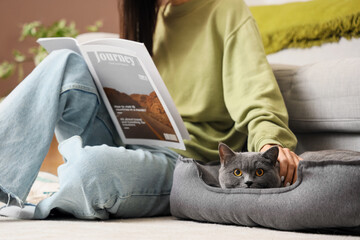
<point>272,154</point>
<point>225,153</point>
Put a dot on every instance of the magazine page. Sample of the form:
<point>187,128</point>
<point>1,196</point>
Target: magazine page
<point>57,43</point>
<point>143,54</point>
<point>140,114</point>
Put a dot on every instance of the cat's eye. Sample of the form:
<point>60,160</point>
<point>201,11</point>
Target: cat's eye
<point>237,172</point>
<point>259,172</point>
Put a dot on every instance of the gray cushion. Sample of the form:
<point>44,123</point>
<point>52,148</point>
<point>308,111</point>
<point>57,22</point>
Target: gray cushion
<point>327,140</point>
<point>326,195</point>
<point>322,97</point>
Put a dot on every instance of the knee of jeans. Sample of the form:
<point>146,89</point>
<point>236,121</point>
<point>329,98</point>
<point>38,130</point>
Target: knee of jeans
<point>69,58</point>
<point>76,74</point>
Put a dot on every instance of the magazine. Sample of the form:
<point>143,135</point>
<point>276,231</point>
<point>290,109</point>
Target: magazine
<point>131,87</point>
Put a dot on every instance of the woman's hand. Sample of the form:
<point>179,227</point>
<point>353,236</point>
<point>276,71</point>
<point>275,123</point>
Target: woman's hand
<point>289,162</point>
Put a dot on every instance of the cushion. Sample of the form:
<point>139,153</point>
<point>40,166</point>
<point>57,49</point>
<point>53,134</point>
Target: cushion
<point>306,24</point>
<point>327,140</point>
<point>322,97</point>
<point>345,48</point>
<point>270,2</point>
<point>325,196</point>
<point>45,185</point>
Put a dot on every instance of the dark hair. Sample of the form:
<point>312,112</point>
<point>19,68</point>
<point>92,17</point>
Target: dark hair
<point>137,20</point>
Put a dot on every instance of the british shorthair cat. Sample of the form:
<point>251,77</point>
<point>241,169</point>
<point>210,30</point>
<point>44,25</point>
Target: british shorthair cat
<point>242,169</point>
<point>248,169</point>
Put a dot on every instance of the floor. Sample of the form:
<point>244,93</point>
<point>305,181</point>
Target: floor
<point>146,228</point>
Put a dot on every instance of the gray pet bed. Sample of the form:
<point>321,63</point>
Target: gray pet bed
<point>326,196</point>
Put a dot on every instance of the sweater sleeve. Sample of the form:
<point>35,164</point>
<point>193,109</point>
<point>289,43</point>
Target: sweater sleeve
<point>252,96</point>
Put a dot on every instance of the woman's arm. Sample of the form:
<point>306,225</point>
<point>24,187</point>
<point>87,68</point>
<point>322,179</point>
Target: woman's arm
<point>254,100</point>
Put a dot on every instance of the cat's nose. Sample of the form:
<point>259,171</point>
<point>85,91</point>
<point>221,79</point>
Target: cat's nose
<point>248,183</point>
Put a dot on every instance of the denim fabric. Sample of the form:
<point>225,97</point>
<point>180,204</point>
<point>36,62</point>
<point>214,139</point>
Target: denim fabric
<point>100,177</point>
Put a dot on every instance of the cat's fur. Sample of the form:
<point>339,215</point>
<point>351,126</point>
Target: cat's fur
<point>248,162</point>
<point>223,175</point>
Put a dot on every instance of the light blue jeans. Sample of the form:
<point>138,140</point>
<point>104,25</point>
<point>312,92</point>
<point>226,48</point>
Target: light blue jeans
<point>100,178</point>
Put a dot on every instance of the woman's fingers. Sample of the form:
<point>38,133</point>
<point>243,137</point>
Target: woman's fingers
<point>283,165</point>
<point>297,159</point>
<point>289,162</point>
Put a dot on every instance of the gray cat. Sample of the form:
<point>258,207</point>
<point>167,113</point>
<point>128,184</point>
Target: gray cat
<point>248,169</point>
<point>242,170</point>
<point>257,170</point>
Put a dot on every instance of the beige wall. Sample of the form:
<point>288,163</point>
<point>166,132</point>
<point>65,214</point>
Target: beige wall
<point>13,13</point>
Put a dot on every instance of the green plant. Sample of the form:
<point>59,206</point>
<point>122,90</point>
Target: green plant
<point>37,53</point>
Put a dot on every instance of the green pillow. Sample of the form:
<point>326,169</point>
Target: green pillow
<point>306,24</point>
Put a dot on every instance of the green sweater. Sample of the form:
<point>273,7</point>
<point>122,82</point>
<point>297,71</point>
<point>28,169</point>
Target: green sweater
<point>210,55</point>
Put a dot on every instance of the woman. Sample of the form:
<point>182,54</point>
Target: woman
<point>210,56</point>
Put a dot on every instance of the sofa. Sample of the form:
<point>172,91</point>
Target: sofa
<point>323,103</point>
<point>314,49</point>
